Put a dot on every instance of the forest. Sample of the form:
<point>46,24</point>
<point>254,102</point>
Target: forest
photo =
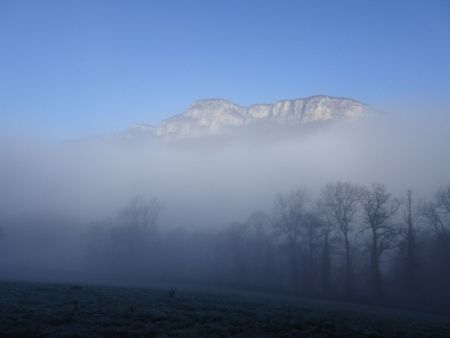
<point>352,243</point>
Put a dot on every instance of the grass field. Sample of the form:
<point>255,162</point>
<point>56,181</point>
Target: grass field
<point>64,310</point>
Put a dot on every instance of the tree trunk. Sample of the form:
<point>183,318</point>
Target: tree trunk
<point>348,269</point>
<point>411,259</point>
<point>294,267</point>
<point>375,268</point>
<point>326,266</point>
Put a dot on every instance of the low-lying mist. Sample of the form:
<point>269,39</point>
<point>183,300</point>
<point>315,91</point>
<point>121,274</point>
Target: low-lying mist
<point>61,201</point>
<point>205,185</point>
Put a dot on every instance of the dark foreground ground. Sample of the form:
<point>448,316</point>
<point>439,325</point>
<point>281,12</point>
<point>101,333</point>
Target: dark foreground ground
<point>62,310</point>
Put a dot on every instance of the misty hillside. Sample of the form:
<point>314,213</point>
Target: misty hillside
<point>69,310</point>
<point>218,116</point>
<point>283,164</point>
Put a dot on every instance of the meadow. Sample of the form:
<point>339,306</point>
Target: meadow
<point>76,310</point>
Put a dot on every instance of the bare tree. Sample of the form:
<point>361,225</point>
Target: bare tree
<point>289,217</point>
<point>411,261</point>
<point>141,213</point>
<point>259,223</point>
<point>311,241</point>
<point>134,228</point>
<point>327,233</point>
<point>379,208</point>
<point>339,202</point>
<point>436,215</point>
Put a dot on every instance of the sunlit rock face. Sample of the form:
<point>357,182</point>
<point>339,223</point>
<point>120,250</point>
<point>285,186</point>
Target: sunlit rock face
<point>205,117</point>
<point>219,116</point>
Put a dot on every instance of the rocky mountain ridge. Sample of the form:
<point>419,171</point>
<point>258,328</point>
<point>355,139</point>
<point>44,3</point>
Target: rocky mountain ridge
<point>218,116</point>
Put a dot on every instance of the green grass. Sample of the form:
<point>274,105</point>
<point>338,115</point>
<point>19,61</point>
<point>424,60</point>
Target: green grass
<point>61,310</point>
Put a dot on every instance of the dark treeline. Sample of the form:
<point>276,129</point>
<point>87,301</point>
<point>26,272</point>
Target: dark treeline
<point>351,243</point>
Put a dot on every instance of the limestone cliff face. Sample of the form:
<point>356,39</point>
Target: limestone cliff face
<point>206,117</point>
<point>217,116</point>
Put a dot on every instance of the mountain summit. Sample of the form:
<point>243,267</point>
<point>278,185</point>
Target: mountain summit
<point>217,116</point>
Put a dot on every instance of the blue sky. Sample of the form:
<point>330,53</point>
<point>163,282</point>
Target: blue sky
<point>72,68</point>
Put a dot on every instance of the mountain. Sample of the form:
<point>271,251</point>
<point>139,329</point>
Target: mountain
<point>218,116</point>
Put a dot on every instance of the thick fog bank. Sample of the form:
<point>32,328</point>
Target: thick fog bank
<point>135,212</point>
<point>207,186</point>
